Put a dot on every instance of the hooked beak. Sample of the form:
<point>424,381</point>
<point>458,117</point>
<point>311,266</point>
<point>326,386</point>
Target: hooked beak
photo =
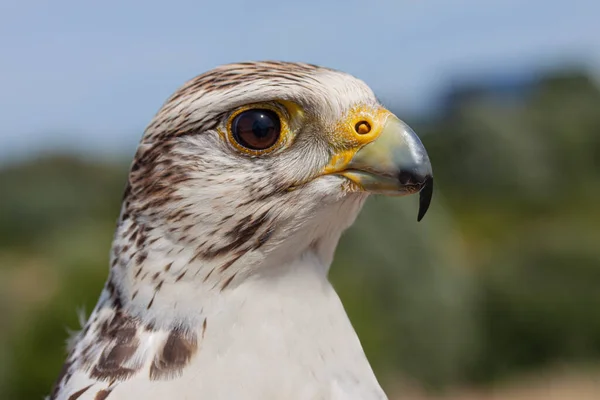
<point>396,163</point>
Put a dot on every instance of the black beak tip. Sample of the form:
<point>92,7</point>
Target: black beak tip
<point>425,196</point>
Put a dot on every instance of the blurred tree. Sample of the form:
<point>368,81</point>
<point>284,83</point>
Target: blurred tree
<point>523,180</point>
<point>56,224</point>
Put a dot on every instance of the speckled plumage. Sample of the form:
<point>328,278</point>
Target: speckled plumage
<point>218,279</point>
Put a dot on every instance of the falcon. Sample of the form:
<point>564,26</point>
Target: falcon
<point>237,196</point>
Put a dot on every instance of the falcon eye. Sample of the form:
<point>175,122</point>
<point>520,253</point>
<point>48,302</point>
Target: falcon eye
<point>256,129</point>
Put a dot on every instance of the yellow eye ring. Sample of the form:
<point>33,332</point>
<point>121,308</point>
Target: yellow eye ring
<point>258,129</point>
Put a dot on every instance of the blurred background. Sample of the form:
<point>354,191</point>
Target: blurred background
<point>495,295</point>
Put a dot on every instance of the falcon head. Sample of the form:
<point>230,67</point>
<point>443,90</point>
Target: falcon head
<point>270,158</point>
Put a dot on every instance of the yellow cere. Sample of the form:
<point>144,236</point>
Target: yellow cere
<point>346,140</point>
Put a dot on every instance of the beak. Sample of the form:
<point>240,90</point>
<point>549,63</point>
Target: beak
<point>396,163</point>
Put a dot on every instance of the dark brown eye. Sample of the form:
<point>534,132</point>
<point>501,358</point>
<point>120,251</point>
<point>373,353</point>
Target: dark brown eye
<point>256,129</point>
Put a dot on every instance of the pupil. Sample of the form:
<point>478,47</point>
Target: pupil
<point>262,126</point>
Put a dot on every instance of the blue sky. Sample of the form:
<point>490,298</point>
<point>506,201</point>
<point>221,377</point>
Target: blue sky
<point>90,76</point>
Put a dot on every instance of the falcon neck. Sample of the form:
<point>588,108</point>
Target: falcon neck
<point>287,320</point>
<point>164,283</point>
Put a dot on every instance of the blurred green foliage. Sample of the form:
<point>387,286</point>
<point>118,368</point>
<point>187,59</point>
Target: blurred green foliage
<point>501,277</point>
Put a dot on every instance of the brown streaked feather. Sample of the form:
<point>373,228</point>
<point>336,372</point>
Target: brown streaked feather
<point>175,355</point>
<point>78,393</point>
